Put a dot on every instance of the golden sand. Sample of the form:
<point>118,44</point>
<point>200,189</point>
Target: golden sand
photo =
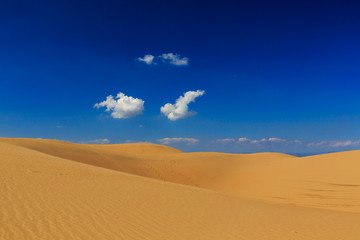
<point>56,190</point>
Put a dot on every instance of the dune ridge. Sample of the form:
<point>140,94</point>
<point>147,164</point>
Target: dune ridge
<point>56,190</point>
<point>328,181</point>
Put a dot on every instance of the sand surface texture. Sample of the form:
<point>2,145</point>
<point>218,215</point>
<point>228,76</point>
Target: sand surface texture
<point>56,190</point>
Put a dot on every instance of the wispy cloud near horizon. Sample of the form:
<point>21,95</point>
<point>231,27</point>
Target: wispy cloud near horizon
<point>98,141</point>
<point>334,143</point>
<point>225,140</point>
<point>178,140</point>
<point>274,140</point>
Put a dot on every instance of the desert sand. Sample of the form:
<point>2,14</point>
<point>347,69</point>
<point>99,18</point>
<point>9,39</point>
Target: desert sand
<point>51,189</point>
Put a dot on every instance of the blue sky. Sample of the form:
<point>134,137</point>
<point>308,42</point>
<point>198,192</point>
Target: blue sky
<point>276,70</point>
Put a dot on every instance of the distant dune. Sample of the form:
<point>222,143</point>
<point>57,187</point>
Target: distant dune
<point>57,190</point>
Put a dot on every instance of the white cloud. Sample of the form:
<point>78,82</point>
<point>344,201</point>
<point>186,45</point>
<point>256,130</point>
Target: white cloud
<point>243,139</point>
<point>232,140</point>
<point>276,140</point>
<point>100,141</point>
<point>316,144</point>
<point>180,108</point>
<point>279,144</point>
<point>225,140</point>
<point>287,142</point>
<point>342,143</point>
<point>148,59</point>
<point>334,143</point>
<point>170,58</point>
<point>177,140</point>
<point>258,141</point>
<point>175,59</point>
<point>122,106</point>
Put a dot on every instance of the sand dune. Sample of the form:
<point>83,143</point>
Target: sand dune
<point>55,190</point>
<point>329,181</point>
<point>138,148</point>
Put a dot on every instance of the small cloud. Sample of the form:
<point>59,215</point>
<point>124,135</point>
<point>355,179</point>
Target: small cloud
<point>58,126</point>
<point>170,58</point>
<point>178,140</point>
<point>276,140</point>
<point>99,141</point>
<point>180,108</point>
<point>316,144</point>
<point>274,143</point>
<point>225,140</point>
<point>287,142</point>
<point>258,141</point>
<point>140,126</point>
<point>174,59</point>
<point>334,143</point>
<point>148,59</point>
<point>122,106</point>
<point>342,143</point>
<point>271,140</point>
<point>243,139</point>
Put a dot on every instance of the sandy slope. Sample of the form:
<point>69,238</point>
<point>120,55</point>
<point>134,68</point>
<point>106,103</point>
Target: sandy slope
<point>138,148</point>
<point>47,192</point>
<point>330,181</point>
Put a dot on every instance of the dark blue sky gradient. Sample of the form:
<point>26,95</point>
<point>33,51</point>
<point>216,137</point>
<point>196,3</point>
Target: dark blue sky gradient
<point>269,68</point>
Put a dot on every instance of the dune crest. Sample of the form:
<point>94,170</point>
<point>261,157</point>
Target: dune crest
<point>138,148</point>
<point>321,181</point>
<point>56,190</point>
